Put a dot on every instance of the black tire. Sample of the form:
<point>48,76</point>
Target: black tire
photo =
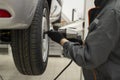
<point>27,44</point>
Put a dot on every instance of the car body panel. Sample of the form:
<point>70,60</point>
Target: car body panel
<point>55,11</point>
<point>22,12</point>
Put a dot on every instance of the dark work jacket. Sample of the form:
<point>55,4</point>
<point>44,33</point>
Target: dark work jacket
<point>102,45</point>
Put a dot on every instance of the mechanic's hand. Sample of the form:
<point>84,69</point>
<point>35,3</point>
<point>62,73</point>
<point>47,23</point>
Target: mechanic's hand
<point>55,36</point>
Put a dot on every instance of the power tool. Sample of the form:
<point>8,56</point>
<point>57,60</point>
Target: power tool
<point>71,35</point>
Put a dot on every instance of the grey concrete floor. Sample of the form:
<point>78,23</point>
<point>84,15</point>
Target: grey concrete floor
<point>8,70</point>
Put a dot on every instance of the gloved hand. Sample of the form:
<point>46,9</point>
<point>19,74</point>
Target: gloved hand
<point>55,35</point>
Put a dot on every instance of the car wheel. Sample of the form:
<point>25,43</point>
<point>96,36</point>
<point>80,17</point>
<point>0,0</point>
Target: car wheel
<point>30,46</point>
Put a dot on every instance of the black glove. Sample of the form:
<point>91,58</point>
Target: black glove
<point>55,35</point>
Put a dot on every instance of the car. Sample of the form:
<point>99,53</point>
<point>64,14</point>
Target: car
<point>23,24</point>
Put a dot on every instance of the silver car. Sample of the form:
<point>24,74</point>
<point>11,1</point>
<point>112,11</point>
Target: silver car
<point>22,24</point>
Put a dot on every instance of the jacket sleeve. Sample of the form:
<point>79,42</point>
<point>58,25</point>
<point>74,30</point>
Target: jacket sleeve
<point>98,44</point>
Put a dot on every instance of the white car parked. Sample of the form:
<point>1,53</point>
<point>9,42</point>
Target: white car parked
<point>23,23</point>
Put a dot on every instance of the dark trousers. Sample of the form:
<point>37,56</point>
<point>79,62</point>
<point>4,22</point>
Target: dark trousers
<point>88,74</point>
<point>93,75</point>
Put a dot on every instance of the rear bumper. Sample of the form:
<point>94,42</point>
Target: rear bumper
<point>22,12</point>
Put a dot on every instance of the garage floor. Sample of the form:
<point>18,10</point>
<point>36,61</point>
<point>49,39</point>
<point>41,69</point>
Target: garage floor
<point>55,65</point>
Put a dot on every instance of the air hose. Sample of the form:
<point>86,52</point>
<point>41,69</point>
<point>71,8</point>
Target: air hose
<point>63,70</point>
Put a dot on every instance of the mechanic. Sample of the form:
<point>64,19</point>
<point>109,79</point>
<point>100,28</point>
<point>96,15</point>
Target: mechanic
<point>101,50</point>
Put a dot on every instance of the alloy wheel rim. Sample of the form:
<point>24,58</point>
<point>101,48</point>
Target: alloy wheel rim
<point>44,36</point>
